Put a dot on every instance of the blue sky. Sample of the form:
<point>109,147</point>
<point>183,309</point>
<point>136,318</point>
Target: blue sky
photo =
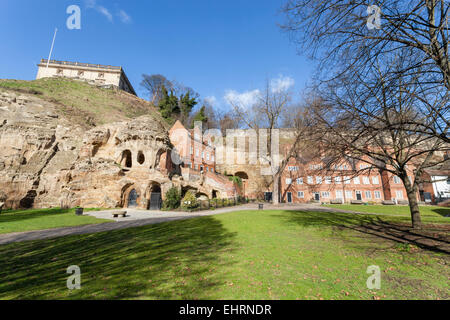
<point>218,48</point>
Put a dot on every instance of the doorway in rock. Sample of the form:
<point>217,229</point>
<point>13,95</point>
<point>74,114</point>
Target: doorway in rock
<point>132,199</point>
<point>155,202</point>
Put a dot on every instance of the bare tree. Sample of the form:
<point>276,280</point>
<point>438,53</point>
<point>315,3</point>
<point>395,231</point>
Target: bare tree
<point>266,113</point>
<point>375,119</point>
<point>154,85</point>
<point>227,120</point>
<point>342,36</point>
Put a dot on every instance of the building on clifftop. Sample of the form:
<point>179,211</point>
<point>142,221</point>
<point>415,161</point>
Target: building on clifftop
<point>96,74</point>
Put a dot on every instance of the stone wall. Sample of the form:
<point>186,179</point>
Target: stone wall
<point>47,161</point>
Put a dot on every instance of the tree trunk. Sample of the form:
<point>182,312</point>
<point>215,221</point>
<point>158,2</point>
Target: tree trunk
<point>413,204</point>
<point>415,212</point>
<point>276,189</point>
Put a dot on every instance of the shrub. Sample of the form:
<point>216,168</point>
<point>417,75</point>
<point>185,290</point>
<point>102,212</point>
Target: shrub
<point>173,199</point>
<point>236,180</point>
<point>189,201</point>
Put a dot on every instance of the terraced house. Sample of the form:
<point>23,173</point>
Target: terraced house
<point>347,182</point>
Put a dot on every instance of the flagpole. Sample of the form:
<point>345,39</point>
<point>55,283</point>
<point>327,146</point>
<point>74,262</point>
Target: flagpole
<point>51,49</point>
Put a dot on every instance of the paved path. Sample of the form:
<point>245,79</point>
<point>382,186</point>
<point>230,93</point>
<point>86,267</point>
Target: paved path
<point>137,218</point>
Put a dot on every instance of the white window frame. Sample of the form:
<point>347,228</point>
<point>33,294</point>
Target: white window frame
<point>288,181</point>
<point>338,180</point>
<point>356,180</point>
<point>377,194</point>
<point>301,194</point>
<point>375,180</point>
<point>366,180</point>
<point>299,181</point>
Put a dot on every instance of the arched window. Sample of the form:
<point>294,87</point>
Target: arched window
<point>126,160</point>
<point>141,158</point>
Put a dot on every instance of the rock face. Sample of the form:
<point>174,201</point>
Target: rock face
<point>47,161</point>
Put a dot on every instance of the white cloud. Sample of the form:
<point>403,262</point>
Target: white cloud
<point>282,83</point>
<point>244,100</point>
<point>212,100</point>
<point>124,17</point>
<point>105,12</point>
<point>90,3</point>
<point>122,14</point>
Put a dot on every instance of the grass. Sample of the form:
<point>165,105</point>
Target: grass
<point>80,101</point>
<point>39,219</point>
<point>239,255</point>
<point>429,213</point>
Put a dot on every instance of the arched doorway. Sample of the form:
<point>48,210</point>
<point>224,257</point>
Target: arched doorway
<point>155,197</point>
<point>202,196</point>
<point>126,161</point>
<point>158,159</point>
<point>132,199</point>
<point>244,177</point>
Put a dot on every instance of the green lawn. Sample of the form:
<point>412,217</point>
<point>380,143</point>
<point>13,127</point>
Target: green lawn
<point>431,213</point>
<point>38,219</point>
<point>239,255</point>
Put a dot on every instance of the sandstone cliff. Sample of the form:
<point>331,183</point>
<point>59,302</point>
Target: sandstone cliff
<point>49,159</point>
<point>66,144</point>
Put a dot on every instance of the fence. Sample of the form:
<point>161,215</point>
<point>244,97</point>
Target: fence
<point>79,64</point>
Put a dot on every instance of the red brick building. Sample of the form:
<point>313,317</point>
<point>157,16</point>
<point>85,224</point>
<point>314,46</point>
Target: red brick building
<point>306,181</point>
<point>196,153</point>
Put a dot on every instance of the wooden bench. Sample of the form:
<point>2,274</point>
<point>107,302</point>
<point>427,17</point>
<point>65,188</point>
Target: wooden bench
<point>119,213</point>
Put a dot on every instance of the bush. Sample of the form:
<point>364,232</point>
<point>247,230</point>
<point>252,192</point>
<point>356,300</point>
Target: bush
<point>236,180</point>
<point>189,201</point>
<point>173,199</point>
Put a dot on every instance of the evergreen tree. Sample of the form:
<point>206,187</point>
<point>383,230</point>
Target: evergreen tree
<point>168,105</point>
<point>186,104</point>
<point>200,116</point>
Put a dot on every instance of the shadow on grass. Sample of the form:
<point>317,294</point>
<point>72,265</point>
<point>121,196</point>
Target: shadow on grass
<point>15,215</point>
<point>165,261</point>
<point>21,215</point>
<point>431,237</point>
<point>442,211</point>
